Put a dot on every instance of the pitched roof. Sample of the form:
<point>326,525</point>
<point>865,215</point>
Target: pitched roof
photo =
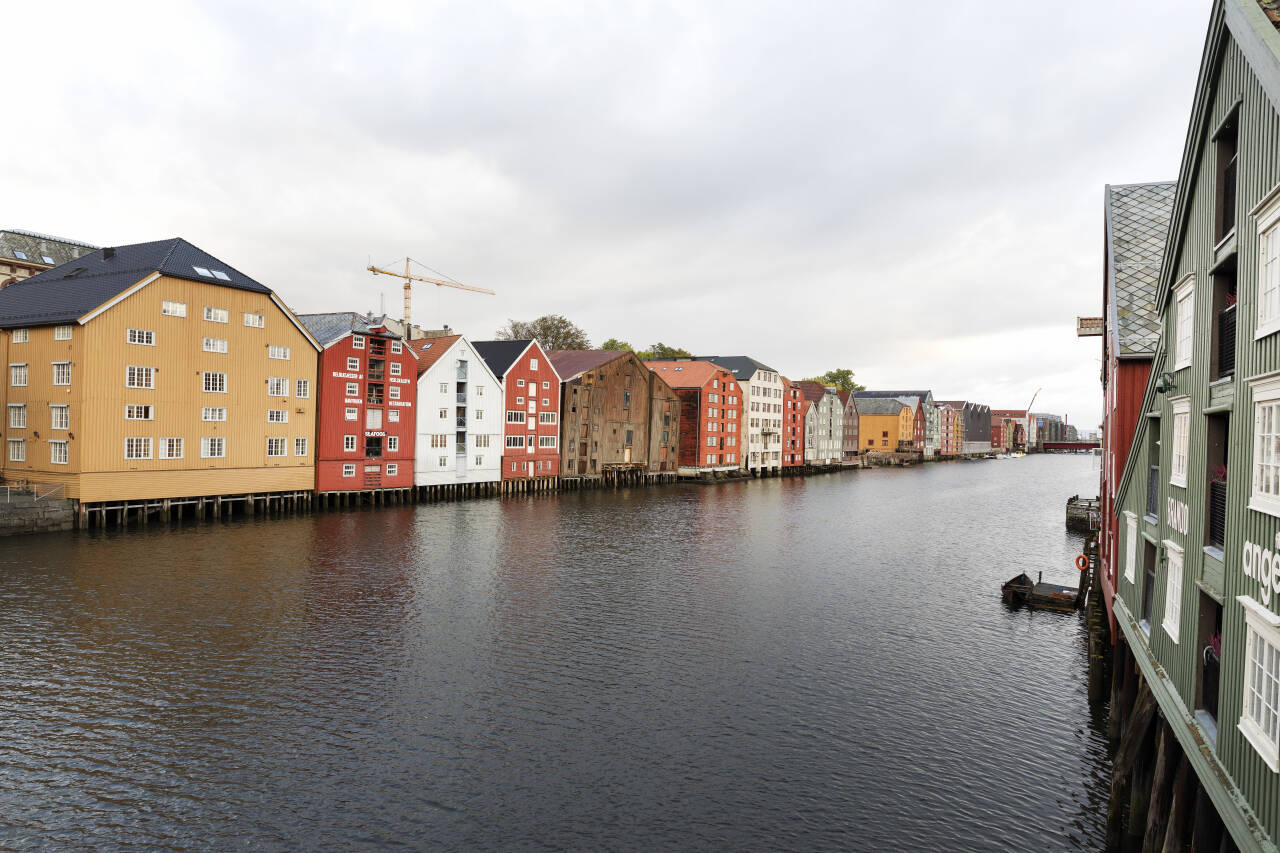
<point>879,405</point>
<point>431,350</point>
<point>866,394</point>
<point>1137,223</point>
<point>955,404</point>
<point>685,374</point>
<point>743,367</point>
<point>571,363</point>
<point>812,391</point>
<point>72,289</point>
<point>500,355</point>
<point>844,396</point>
<point>327,328</point>
<point>40,248</point>
<point>911,400</point>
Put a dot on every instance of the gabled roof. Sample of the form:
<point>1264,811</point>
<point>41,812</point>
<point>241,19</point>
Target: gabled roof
<point>572,363</point>
<point>844,396</point>
<point>685,374</point>
<point>955,404</point>
<point>879,406</point>
<point>73,289</point>
<point>431,350</point>
<point>910,400</point>
<point>812,391</point>
<point>1137,223</point>
<point>743,367</point>
<point>500,355</point>
<point>1009,413</point>
<point>40,248</point>
<point>861,395</point>
<point>327,328</point>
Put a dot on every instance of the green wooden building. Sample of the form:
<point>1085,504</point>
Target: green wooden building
<point>1198,592</point>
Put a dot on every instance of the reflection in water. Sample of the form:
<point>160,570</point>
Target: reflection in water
<point>785,665</point>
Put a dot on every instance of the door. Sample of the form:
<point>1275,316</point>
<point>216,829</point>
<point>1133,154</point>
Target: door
<point>626,455</point>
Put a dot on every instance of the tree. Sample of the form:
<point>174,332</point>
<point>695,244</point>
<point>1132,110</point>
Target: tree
<point>841,378</point>
<point>661,351</point>
<point>551,330</point>
<point>615,344</point>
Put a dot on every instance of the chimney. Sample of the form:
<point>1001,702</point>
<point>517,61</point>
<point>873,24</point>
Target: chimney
<point>108,252</point>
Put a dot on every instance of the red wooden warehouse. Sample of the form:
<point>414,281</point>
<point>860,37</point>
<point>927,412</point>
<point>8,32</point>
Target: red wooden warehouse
<point>366,419</point>
<point>531,388</point>
<point>711,432</point>
<point>794,408</point>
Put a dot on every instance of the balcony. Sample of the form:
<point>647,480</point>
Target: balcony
<point>1229,197</point>
<point>462,371</point>
<point>1227,342</point>
<point>462,423</point>
<point>1217,514</point>
<point>1153,491</point>
<point>462,399</point>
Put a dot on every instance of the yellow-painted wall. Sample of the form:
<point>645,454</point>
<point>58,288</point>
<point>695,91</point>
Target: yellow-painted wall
<point>906,424</point>
<point>100,355</point>
<point>870,428</point>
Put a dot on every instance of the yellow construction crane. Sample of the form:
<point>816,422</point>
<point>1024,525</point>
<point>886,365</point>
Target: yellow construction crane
<point>409,278</point>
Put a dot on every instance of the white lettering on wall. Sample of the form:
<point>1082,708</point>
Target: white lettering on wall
<point>1177,515</point>
<point>1263,566</point>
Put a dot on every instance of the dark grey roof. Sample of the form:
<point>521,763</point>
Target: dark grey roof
<point>741,366</point>
<point>878,405</point>
<point>866,395</point>
<point>1137,223</point>
<point>500,355</point>
<point>70,290</point>
<point>40,249</point>
<point>327,328</point>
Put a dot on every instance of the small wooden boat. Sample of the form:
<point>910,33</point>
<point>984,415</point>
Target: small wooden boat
<point>1038,594</point>
<point>1015,590</point>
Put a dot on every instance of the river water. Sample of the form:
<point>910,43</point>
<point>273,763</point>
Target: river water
<point>797,664</point>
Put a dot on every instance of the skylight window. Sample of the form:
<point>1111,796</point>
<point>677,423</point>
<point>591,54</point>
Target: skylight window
<point>47,259</point>
<point>19,254</point>
<point>204,272</point>
<point>220,274</point>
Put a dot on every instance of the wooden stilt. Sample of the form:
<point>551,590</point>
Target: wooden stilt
<point>1175,835</point>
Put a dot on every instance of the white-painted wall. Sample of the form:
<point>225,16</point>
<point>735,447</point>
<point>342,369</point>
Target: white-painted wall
<point>485,422</point>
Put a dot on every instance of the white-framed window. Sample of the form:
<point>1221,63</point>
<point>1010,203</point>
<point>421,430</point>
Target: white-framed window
<point>213,447</point>
<point>515,416</point>
<point>519,401</point>
<point>479,461</point>
<point>395,368</point>
<point>353,363</point>
<point>479,390</point>
<point>546,417</point>
<point>357,342</point>
<point>393,416</point>
<point>299,447</point>
<point>277,351</point>
<point>349,443</point>
<point>173,309</point>
<point>444,387</point>
<point>21,336</point>
<point>256,321</point>
<point>438,441</point>
<point>59,453</point>
<point>396,347</point>
<point>393,443</point>
<point>17,416</point>
<point>213,413</point>
<point>393,468</point>
<point>59,416</point>
<point>17,450</point>
<point>216,315</point>
<point>1184,296</point>
<point>17,375</point>
<point>444,413</point>
<point>515,441</point>
<point>215,383</point>
<point>142,337</point>
<point>519,383</point>
<point>171,448</point>
<point>372,469</point>
<point>1130,546</point>
<point>302,389</point>
<point>482,441</point>
<point>349,470</point>
<point>1172,589</point>
<point>139,377</point>
<point>62,333</point>
<point>546,383</point>
<point>393,393</point>
<point>137,448</point>
<point>1181,440</point>
<point>275,447</point>
<point>533,364</point>
<point>353,389</point>
<point>1268,220</point>
<point>443,461</point>
<point>277,386</point>
<point>546,441</point>
<point>1260,710</point>
<point>1264,495</point>
<point>479,414</point>
<point>351,413</point>
<point>546,401</point>
<point>277,416</point>
<point>215,344</point>
<point>62,373</point>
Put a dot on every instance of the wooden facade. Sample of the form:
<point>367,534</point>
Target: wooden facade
<point>531,389</point>
<point>794,409</point>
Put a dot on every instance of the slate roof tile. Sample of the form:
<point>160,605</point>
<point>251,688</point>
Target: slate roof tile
<point>1137,223</point>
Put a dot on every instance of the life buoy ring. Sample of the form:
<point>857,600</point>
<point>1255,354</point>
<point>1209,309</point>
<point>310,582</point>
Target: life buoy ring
<point>1082,562</point>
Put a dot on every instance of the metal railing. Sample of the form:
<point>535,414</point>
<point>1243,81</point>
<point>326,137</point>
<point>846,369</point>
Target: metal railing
<point>462,397</point>
<point>1217,513</point>
<point>1153,490</point>
<point>462,423</point>
<point>1227,342</point>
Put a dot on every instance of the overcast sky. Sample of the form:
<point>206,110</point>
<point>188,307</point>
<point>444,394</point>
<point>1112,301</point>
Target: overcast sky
<point>911,191</point>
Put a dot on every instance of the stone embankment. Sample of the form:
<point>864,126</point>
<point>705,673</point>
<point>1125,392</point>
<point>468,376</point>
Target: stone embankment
<point>24,513</point>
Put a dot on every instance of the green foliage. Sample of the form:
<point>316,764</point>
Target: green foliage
<point>615,344</point>
<point>661,351</point>
<point>841,378</point>
<point>551,330</point>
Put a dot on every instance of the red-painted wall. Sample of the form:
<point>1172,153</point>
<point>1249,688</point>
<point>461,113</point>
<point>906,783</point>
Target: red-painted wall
<point>794,407</point>
<point>532,372</point>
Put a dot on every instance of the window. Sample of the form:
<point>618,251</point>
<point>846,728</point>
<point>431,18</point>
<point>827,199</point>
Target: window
<point>215,315</point>
<point>394,416</point>
<point>1131,545</point>
<point>256,321</point>
<point>1185,296</point>
<point>170,448</point>
<point>393,443</point>
<point>353,389</point>
<point>140,377</point>
<point>393,468</point>
<point>444,413</point>
<point>479,390</point>
<point>546,417</point>
<point>351,414</point>
<point>353,363</point>
<point>349,470</point>
<point>137,448</point>
<point>275,447</point>
<point>277,416</point>
<point>393,393</point>
<point>213,448</point>
<point>62,373</point>
<point>519,401</point>
<point>143,337</point>
<point>21,336</point>
<point>59,416</point>
<point>519,383</point>
<point>482,441</point>
<point>349,444</point>
<point>357,341</point>
<point>1260,711</point>
<point>277,386</point>
<point>372,447</point>
<point>396,347</point>
<point>215,382</point>
<point>1181,438</point>
<point>1269,269</point>
<point>58,452</point>
<point>17,375</point>
<point>302,389</point>
<point>1265,493</point>
<point>17,450</point>
<point>212,413</point>
<point>546,401</point>
<point>515,417</point>
<point>215,344</point>
<point>276,351</point>
<point>62,333</point>
<point>515,441</point>
<point>373,419</point>
<point>173,309</point>
<point>1173,589</point>
<point>533,364</point>
<point>17,416</point>
<point>546,441</point>
<point>479,414</point>
<point>443,461</point>
<point>395,368</point>
<point>439,441</point>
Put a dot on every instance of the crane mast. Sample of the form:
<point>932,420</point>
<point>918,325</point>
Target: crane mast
<point>409,278</point>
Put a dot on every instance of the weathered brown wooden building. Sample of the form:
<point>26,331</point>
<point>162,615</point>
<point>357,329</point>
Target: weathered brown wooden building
<point>619,420</point>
